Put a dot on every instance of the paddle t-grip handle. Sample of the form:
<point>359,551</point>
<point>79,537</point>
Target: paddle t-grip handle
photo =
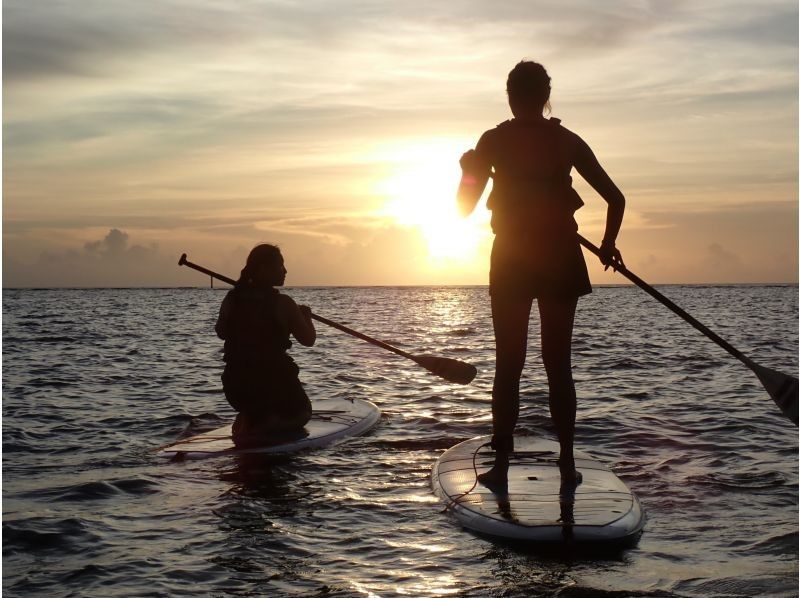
<point>184,262</point>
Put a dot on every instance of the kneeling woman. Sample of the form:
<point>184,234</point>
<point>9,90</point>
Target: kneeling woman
<point>260,380</point>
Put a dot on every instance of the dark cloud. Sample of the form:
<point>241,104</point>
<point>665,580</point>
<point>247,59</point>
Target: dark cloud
<point>113,245</point>
<point>166,126</point>
<point>722,260</point>
<point>765,24</point>
<point>754,242</point>
<point>108,262</point>
<point>95,37</point>
<point>761,216</point>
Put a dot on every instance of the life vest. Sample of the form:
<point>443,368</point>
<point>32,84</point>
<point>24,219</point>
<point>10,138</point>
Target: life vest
<point>255,332</point>
<point>532,190</point>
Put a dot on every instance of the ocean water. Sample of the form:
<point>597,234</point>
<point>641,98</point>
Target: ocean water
<point>94,380</point>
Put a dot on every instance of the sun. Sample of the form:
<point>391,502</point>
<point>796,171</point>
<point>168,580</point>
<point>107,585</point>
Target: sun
<point>421,193</point>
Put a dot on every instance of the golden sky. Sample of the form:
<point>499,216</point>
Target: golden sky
<point>136,131</point>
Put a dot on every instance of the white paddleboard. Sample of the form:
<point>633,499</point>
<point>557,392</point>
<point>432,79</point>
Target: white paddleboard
<point>600,509</point>
<point>331,421</point>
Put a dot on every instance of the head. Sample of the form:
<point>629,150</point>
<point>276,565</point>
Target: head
<point>528,87</point>
<point>264,267</point>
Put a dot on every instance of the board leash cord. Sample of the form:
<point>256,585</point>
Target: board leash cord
<point>455,501</point>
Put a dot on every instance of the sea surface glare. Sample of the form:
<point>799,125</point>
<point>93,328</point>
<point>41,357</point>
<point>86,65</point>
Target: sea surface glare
<point>95,380</point>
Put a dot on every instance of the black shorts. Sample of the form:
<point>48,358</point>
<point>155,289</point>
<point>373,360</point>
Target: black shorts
<point>532,266</point>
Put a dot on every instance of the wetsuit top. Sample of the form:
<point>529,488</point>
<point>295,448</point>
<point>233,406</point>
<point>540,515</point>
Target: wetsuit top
<point>532,189</point>
<point>255,333</point>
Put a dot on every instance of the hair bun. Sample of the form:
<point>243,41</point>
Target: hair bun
<point>529,79</point>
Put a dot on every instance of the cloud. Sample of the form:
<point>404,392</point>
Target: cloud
<point>755,24</point>
<point>113,246</point>
<point>721,260</point>
<point>108,262</point>
<point>60,39</point>
<point>744,242</point>
<point>335,230</point>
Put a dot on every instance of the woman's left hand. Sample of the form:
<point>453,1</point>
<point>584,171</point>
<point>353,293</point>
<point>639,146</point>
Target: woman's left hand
<point>610,256</point>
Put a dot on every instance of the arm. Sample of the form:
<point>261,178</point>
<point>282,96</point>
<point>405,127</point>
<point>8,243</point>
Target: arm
<point>221,327</point>
<point>301,326</point>
<point>475,170</point>
<point>589,168</point>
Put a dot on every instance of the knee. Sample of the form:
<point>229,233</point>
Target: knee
<point>558,365</point>
<point>561,389</point>
<point>506,380</point>
<point>560,373</point>
<point>509,369</point>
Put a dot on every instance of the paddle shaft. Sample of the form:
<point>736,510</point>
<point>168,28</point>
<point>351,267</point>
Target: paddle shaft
<point>184,262</point>
<point>661,298</point>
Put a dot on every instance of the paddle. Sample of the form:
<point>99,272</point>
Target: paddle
<point>782,388</point>
<point>451,370</point>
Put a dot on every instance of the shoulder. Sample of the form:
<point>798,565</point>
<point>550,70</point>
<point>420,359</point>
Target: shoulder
<point>573,139</point>
<point>499,130</point>
<point>559,126</point>
<point>282,299</point>
<point>489,139</point>
<point>285,303</point>
<point>229,298</point>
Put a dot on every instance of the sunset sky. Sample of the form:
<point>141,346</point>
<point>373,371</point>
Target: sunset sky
<point>136,131</point>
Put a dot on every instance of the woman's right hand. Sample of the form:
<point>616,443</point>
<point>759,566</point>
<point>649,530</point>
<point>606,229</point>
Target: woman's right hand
<point>474,176</point>
<point>469,161</point>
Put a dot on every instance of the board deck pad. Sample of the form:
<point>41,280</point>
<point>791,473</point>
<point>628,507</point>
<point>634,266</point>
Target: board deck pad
<point>535,507</point>
<point>331,421</point>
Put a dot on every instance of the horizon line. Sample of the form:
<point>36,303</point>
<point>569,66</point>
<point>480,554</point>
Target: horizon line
<point>224,286</point>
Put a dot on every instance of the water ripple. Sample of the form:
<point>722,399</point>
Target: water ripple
<point>94,380</point>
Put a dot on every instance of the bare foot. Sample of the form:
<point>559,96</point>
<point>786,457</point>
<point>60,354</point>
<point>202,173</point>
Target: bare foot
<point>570,477</point>
<point>569,484</point>
<point>496,479</point>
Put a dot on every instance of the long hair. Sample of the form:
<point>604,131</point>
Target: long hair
<point>260,255</point>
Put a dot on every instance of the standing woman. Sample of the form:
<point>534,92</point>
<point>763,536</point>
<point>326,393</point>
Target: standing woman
<point>260,380</point>
<point>535,254</point>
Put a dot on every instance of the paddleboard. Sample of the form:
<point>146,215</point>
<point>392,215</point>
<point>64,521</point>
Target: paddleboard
<point>535,508</point>
<point>331,421</point>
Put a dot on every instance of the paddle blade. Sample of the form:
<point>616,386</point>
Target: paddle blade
<point>782,388</point>
<point>451,370</point>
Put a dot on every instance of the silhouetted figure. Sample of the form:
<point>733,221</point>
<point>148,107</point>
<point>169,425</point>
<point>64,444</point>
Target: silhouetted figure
<point>260,380</point>
<point>536,254</point>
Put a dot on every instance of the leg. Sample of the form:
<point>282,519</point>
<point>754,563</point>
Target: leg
<point>510,317</point>
<point>268,425</point>
<point>557,318</point>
